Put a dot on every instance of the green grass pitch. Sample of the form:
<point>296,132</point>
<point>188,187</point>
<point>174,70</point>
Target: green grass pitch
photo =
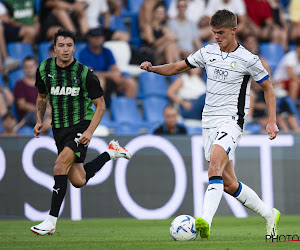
<point>226,233</point>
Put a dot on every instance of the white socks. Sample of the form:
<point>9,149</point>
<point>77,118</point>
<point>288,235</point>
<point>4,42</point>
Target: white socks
<point>52,219</point>
<point>212,198</point>
<point>250,199</point>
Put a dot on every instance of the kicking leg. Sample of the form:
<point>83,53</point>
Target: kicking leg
<point>250,199</point>
<point>79,174</point>
<point>214,191</point>
<point>62,165</point>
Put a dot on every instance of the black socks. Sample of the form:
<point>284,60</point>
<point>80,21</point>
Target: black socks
<point>92,167</point>
<point>59,192</point>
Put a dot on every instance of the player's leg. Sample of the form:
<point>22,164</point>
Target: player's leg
<point>62,165</point>
<point>80,174</point>
<point>214,191</point>
<point>250,199</point>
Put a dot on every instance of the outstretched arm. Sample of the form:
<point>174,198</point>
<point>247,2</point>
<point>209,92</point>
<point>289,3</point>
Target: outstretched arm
<point>41,104</point>
<point>271,128</point>
<point>166,69</point>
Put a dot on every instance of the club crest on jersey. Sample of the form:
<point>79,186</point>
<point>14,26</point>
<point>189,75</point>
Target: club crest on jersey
<point>234,64</point>
<point>75,79</point>
<point>72,91</point>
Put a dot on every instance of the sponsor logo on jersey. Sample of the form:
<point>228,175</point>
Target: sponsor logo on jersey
<point>234,64</point>
<point>72,91</point>
<point>220,74</point>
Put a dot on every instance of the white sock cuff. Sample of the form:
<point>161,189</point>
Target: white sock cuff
<point>52,219</point>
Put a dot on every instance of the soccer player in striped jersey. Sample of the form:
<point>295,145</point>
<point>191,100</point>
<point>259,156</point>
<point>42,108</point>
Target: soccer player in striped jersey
<point>229,67</point>
<point>71,89</point>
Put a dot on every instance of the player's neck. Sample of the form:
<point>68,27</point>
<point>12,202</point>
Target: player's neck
<point>232,46</point>
<point>63,64</point>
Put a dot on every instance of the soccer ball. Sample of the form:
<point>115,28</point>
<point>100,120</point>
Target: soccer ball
<point>183,228</point>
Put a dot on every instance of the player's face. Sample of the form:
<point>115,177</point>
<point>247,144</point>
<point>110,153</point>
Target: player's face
<point>224,36</point>
<point>64,49</point>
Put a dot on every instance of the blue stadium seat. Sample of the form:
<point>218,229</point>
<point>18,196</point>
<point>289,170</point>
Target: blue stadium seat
<point>37,6</point>
<point>127,129</point>
<point>134,6</point>
<point>153,108</point>
<point>272,52</point>
<point>152,85</point>
<point>192,130</point>
<point>125,111</point>
<point>79,48</point>
<point>44,51</point>
<point>15,76</point>
<point>117,23</point>
<point>253,128</point>
<point>26,130</point>
<point>2,83</point>
<point>19,51</point>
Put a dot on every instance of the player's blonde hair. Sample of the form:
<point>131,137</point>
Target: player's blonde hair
<point>223,19</point>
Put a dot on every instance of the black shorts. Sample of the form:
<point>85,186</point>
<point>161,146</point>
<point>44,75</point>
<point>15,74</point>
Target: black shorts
<point>65,137</point>
<point>11,33</point>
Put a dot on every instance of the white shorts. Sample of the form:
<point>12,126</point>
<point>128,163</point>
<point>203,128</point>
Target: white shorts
<point>227,135</point>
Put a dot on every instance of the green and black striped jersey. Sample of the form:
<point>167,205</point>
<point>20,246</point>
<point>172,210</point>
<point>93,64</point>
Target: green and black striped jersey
<point>70,91</point>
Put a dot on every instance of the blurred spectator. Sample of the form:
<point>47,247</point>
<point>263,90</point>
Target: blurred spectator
<point>115,7</point>
<point>194,12</point>
<point>236,6</point>
<point>51,51</point>
<point>170,125</point>
<point>188,91</point>
<point>188,39</point>
<point>262,23</point>
<point>294,14</point>
<point>95,10</point>
<point>69,14</point>
<point>158,43</point>
<point>6,99</point>
<point>19,20</point>
<point>146,12</point>
<point>288,72</point>
<point>102,61</point>
<point>9,124</point>
<point>26,93</point>
<point>286,108</point>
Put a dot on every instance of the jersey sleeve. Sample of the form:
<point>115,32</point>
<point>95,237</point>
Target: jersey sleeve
<point>257,70</point>
<point>39,82</point>
<point>197,59</point>
<point>93,85</point>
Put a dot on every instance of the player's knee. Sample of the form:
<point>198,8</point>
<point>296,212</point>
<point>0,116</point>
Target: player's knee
<point>59,168</point>
<point>79,183</point>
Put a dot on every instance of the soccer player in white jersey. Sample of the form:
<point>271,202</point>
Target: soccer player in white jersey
<point>229,67</point>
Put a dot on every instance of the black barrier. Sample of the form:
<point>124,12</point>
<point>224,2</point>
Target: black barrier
<point>166,176</point>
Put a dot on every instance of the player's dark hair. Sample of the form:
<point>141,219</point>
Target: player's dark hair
<point>65,33</point>
<point>223,19</point>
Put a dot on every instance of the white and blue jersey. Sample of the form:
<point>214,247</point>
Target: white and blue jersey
<point>228,82</point>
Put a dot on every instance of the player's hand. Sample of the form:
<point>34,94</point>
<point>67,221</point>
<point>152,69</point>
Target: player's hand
<point>85,138</point>
<point>146,66</point>
<point>37,129</point>
<point>272,130</point>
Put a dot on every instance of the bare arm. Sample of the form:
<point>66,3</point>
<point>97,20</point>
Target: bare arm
<point>41,104</point>
<point>166,69</point>
<point>99,112</point>
<point>271,128</point>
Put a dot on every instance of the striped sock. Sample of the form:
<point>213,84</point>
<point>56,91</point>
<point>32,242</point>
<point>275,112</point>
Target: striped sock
<point>212,198</point>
